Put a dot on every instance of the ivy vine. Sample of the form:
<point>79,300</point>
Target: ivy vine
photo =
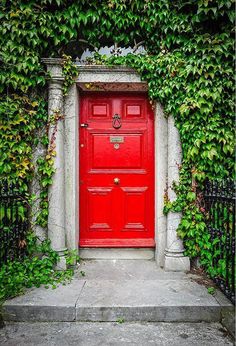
<point>36,269</point>
<point>69,72</point>
<point>45,164</point>
<point>188,64</point>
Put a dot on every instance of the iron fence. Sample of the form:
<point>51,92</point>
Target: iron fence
<point>13,222</point>
<point>219,200</point>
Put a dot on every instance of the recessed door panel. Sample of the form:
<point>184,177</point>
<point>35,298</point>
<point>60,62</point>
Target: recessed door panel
<point>98,109</point>
<point>99,218</point>
<point>134,109</point>
<point>135,213</point>
<point>116,167</point>
<point>110,151</point>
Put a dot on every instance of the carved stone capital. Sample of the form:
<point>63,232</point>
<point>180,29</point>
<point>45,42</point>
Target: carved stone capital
<point>54,68</point>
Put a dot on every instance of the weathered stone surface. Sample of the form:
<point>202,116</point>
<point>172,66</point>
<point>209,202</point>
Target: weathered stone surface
<point>146,300</point>
<point>161,154</point>
<point>123,270</point>
<point>107,74</point>
<point>176,264</point>
<point>56,216</point>
<point>134,290</point>
<point>43,304</point>
<point>149,314</point>
<point>122,253</point>
<point>94,334</point>
<point>174,258</point>
<point>71,140</point>
<point>228,321</point>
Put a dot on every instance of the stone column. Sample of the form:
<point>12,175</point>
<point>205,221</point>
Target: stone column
<point>161,154</point>
<point>56,217</point>
<point>71,148</point>
<point>174,258</point>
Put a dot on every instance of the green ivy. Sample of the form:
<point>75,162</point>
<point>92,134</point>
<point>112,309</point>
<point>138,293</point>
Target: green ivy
<point>204,115</point>
<point>69,71</point>
<point>36,269</point>
<point>188,64</point>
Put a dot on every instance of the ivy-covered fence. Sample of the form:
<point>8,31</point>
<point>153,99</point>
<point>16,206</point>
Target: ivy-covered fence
<point>14,223</point>
<point>25,261</point>
<point>220,210</point>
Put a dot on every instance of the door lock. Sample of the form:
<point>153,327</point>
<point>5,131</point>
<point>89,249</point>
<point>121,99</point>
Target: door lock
<point>83,125</point>
<point>116,181</point>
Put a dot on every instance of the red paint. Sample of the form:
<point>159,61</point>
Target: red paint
<point>116,215</point>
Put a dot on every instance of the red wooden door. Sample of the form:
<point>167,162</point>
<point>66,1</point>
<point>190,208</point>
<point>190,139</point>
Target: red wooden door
<point>116,170</point>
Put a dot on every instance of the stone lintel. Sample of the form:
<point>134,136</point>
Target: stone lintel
<point>104,68</point>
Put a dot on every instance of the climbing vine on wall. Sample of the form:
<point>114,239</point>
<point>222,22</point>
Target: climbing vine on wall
<point>188,65</point>
<point>45,163</point>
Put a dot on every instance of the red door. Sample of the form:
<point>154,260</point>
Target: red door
<point>116,170</point>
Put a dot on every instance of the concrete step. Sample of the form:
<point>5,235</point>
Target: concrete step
<point>149,300</point>
<point>121,290</point>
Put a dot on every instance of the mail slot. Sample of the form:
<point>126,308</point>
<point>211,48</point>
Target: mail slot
<point>116,139</point>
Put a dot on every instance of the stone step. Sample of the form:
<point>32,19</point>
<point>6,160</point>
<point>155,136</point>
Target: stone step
<point>117,254</point>
<point>122,290</point>
<point>131,300</point>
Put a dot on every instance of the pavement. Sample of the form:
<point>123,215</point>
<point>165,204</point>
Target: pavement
<point>127,290</point>
<point>113,334</point>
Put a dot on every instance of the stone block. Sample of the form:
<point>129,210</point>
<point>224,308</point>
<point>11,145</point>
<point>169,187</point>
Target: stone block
<point>177,264</point>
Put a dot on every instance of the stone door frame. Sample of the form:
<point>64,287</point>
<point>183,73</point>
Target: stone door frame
<point>63,221</point>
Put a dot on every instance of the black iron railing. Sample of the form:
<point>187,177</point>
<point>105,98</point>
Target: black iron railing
<point>219,200</point>
<point>13,222</point>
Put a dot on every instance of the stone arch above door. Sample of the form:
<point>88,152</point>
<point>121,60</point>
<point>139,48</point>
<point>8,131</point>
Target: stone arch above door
<point>63,202</point>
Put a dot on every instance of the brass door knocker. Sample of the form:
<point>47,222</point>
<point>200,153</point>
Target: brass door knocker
<point>116,123</point>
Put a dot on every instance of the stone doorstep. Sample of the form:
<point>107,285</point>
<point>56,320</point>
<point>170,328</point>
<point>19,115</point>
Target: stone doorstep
<point>132,300</point>
<point>117,253</point>
<point>113,314</point>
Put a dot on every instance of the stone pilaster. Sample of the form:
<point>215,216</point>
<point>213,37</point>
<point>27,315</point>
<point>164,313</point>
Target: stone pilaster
<point>56,217</point>
<point>174,258</point>
<point>161,154</point>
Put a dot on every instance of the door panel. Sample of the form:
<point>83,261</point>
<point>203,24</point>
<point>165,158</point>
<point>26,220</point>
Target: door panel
<point>107,155</point>
<point>116,171</point>
<point>99,218</point>
<point>134,209</point>
<point>133,110</point>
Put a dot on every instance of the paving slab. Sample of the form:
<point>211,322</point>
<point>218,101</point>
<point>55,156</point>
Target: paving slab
<point>146,300</point>
<point>114,334</point>
<point>41,304</point>
<point>120,270</point>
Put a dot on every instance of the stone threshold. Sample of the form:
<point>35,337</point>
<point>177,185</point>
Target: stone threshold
<point>119,253</point>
